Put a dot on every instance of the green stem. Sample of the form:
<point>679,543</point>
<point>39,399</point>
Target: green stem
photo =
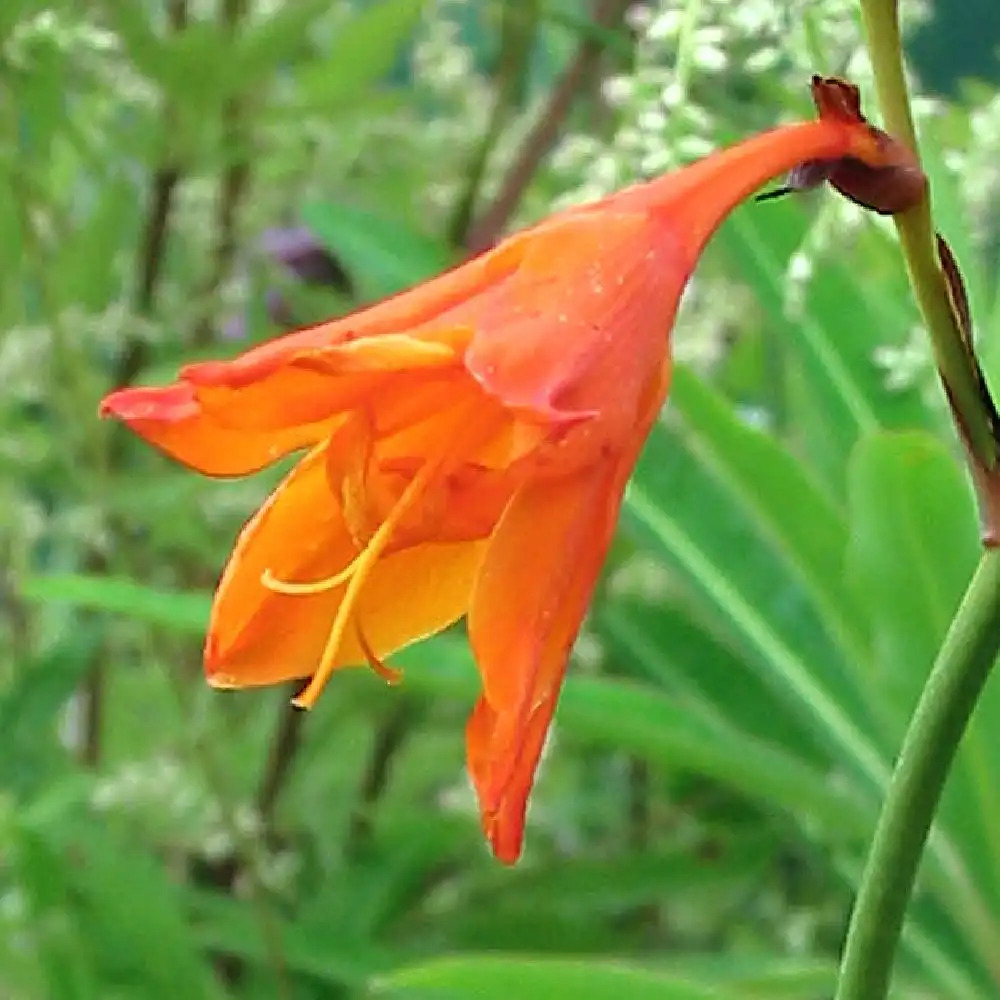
<point>917,240</point>
<point>930,744</point>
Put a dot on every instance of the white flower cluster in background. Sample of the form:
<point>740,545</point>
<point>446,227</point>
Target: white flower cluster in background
<point>161,791</point>
<point>170,802</point>
<point>708,73</point>
<point>705,74</point>
<point>445,74</point>
<point>977,165</point>
<point>442,64</point>
<point>907,364</point>
<point>89,48</point>
<point>49,28</point>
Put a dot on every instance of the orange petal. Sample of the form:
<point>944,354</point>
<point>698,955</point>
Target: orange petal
<point>530,598</point>
<point>584,319</point>
<point>221,430</point>
<point>694,200</point>
<point>389,352</point>
<point>464,505</point>
<point>409,596</point>
<point>504,826</point>
<point>368,474</point>
<point>172,419</point>
<point>411,425</point>
<point>414,594</point>
<point>415,307</point>
<point>286,398</point>
<point>257,636</point>
<point>531,595</point>
<point>313,385</point>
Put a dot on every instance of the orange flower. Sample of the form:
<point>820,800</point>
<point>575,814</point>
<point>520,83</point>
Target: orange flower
<point>469,444</point>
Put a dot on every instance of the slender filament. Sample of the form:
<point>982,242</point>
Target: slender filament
<point>358,570</point>
<point>306,587</point>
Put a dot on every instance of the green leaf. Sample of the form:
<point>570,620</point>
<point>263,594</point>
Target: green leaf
<point>585,887</point>
<point>30,707</point>
<point>185,612</point>
<point>381,255</point>
<point>912,551</point>
<point>698,670</point>
<point>228,925</point>
<point>44,875</point>
<point>187,63</point>
<point>131,22</point>
<point>835,389</point>
<point>786,506</point>
<point>385,882</point>
<point>79,267</point>
<point>679,514</point>
<point>761,976</point>
<point>637,719</point>
<point>11,13</point>
<point>496,978</point>
<point>121,918</point>
<point>363,51</point>
<point>42,89</point>
<point>281,36</point>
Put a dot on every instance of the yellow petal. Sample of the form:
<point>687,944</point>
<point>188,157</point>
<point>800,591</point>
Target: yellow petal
<point>257,636</point>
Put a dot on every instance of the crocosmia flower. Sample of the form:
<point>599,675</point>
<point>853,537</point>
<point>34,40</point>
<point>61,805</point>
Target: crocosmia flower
<point>466,448</point>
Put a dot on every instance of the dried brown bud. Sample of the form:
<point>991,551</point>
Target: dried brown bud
<point>886,177</point>
<point>883,175</point>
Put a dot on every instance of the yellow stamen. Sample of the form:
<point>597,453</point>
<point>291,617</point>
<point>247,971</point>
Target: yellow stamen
<point>306,587</point>
<point>363,564</point>
<point>389,674</point>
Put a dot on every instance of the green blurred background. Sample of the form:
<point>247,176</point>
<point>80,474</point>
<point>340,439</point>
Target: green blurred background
<point>182,178</point>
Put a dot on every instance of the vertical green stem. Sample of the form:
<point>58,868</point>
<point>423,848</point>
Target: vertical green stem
<point>917,240</point>
<point>972,643</point>
<point>881,21</point>
<point>929,747</point>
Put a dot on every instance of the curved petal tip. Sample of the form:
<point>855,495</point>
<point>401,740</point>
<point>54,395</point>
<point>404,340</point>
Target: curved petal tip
<point>504,830</point>
<point>168,403</point>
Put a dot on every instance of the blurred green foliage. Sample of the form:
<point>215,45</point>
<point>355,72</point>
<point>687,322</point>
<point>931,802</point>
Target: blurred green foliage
<point>794,542</point>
